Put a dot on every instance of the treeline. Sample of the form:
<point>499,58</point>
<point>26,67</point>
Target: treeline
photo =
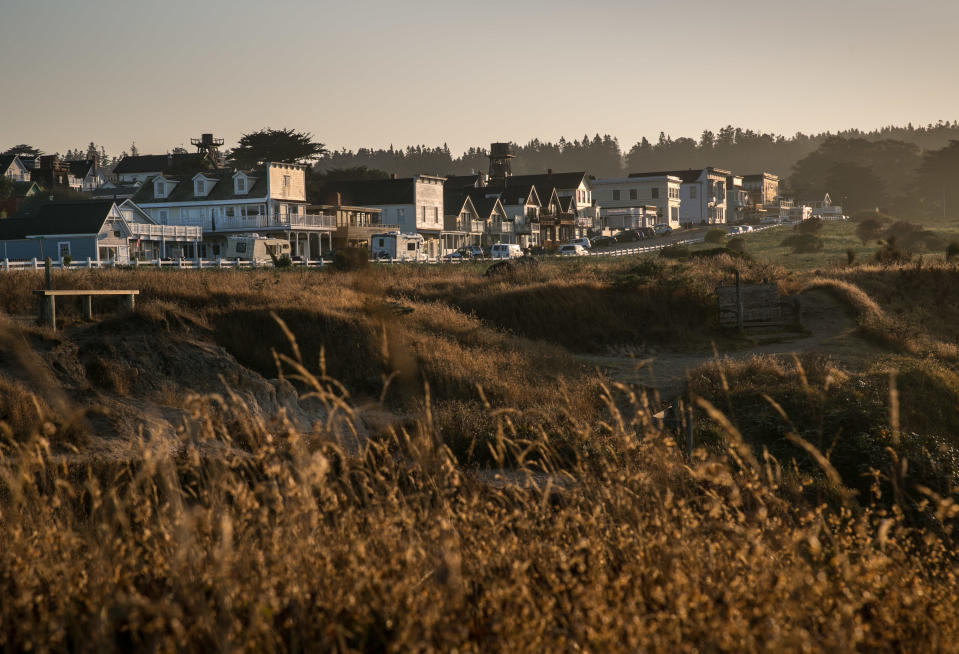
<point>741,150</point>
<point>879,168</point>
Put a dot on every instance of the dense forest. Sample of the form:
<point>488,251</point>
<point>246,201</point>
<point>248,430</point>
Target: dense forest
<point>878,168</point>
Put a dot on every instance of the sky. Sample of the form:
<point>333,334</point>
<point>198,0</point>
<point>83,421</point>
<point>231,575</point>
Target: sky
<point>367,73</point>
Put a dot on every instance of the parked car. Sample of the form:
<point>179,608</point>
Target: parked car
<point>582,241</point>
<point>472,251</point>
<point>571,250</point>
<point>646,232</point>
<point>603,241</point>
<point>454,256</point>
<point>627,236</point>
<point>662,230</point>
<point>505,251</point>
<point>735,230</point>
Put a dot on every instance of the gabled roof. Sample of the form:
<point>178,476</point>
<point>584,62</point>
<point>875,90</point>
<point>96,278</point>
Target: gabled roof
<point>454,200</point>
<point>25,189</point>
<point>58,218</point>
<point>81,168</point>
<point>6,160</point>
<point>222,190</point>
<point>515,193</point>
<point>550,180</point>
<point>154,163</point>
<point>366,192</point>
<point>460,182</point>
<point>687,176</point>
<point>483,203</point>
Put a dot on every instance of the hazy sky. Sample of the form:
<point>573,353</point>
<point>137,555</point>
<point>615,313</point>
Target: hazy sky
<point>364,73</point>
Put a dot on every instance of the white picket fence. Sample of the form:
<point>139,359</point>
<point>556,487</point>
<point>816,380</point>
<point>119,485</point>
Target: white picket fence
<point>219,263</point>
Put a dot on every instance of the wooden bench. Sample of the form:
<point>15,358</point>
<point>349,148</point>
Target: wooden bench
<point>48,305</point>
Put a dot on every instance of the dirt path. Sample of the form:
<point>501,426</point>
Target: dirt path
<point>832,332</point>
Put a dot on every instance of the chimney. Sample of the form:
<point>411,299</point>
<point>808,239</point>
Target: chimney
<point>339,199</point>
<point>549,172</point>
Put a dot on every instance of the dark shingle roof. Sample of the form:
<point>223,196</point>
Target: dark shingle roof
<point>223,189</point>
<point>20,189</point>
<point>59,218</point>
<point>81,168</point>
<point>366,192</point>
<point>460,182</point>
<point>687,176</point>
<point>484,205</point>
<point>152,163</point>
<point>453,200</point>
<point>6,160</point>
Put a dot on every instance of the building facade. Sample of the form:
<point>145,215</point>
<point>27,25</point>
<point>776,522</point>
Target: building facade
<point>630,196</point>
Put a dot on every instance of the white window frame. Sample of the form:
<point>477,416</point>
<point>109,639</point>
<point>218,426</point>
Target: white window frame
<point>60,253</point>
<point>199,187</point>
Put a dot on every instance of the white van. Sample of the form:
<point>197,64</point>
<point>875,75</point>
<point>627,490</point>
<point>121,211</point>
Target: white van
<point>505,251</point>
<point>257,248</point>
<point>397,246</point>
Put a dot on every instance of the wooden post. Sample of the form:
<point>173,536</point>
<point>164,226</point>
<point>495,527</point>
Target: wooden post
<point>739,303</point>
<point>50,311</point>
<point>88,307</point>
<point>131,301</point>
<point>48,271</point>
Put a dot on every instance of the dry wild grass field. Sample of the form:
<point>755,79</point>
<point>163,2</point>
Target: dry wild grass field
<point>413,459</point>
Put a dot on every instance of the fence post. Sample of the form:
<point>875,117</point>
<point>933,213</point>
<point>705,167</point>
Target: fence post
<point>35,266</point>
<point>6,264</point>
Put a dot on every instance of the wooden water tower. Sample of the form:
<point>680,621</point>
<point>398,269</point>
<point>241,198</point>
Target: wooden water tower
<point>208,146</point>
<point>499,156</point>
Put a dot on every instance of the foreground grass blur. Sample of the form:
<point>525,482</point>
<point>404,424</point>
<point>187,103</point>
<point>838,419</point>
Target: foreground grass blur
<point>553,511</point>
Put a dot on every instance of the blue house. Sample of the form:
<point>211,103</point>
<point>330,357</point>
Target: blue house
<point>98,230</point>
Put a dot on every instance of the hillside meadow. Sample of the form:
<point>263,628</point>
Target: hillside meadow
<point>418,458</point>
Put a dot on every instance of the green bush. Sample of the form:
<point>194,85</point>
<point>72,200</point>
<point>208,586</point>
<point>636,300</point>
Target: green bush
<point>351,259</point>
<point>890,253</point>
<point>810,226</point>
<point>283,261</point>
<point>803,243</point>
<point>715,235</point>
<point>675,252</point>
<point>737,244</point>
<point>952,250</point>
<point>869,229</point>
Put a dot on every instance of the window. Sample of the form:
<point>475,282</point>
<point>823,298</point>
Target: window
<point>616,195</point>
<point>63,248</point>
<point>655,193</point>
<point>241,247</point>
<point>632,194</point>
<point>401,212</point>
<point>436,214</point>
<point>423,213</point>
<point>159,189</point>
<point>162,216</point>
<point>241,184</point>
<point>200,187</point>
<point>411,247</point>
<point>692,192</point>
<point>230,212</point>
<point>286,184</point>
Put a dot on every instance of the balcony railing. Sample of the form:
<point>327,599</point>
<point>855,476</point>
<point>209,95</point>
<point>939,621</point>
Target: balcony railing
<point>501,228</point>
<point>269,221</point>
<point>165,231</point>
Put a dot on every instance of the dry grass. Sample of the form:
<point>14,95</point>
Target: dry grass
<point>282,542</point>
<point>588,529</point>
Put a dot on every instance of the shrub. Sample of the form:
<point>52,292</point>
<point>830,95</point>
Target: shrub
<point>351,259</point>
<point>717,252</point>
<point>803,243</point>
<point>850,256</point>
<point>676,251</point>
<point>737,244</point>
<point>952,250</point>
<point>869,230</point>
<point>283,261</point>
<point>715,235</point>
<point>67,260</point>
<point>880,217</point>
<point>890,254</point>
<point>922,240</point>
<point>811,226</point>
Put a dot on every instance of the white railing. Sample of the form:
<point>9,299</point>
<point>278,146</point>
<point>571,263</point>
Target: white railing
<point>270,221</point>
<point>222,263</point>
<point>166,231</point>
<point>501,228</point>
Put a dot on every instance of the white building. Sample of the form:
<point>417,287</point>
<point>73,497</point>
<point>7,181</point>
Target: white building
<point>413,203</point>
<point>627,198</point>
<point>270,200</point>
<point>13,168</point>
<point>702,194</point>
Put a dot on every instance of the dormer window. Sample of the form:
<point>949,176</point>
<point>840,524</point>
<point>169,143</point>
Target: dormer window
<point>241,184</point>
<point>159,189</point>
<point>200,187</point>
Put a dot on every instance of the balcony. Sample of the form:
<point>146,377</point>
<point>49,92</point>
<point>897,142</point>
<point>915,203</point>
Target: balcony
<point>163,232</point>
<point>501,228</point>
<point>271,222</point>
